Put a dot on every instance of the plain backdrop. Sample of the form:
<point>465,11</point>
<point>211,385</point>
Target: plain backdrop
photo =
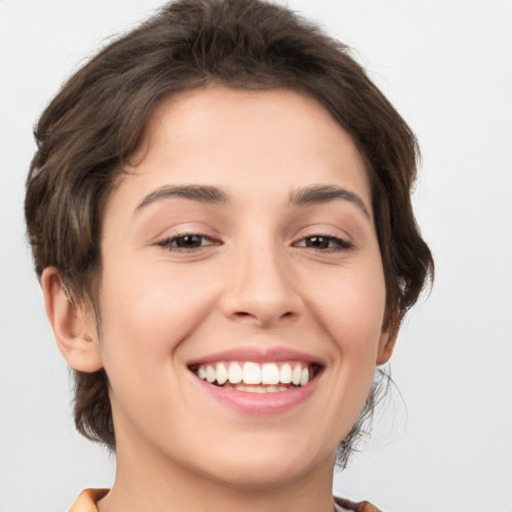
<point>447,67</point>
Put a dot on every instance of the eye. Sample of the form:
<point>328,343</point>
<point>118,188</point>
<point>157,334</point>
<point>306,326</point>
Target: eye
<point>186,242</point>
<point>324,243</point>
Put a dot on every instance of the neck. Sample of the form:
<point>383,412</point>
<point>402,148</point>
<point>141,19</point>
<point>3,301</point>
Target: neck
<point>146,480</point>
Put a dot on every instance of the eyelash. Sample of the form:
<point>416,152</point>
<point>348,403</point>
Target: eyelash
<point>171,243</point>
<point>334,244</point>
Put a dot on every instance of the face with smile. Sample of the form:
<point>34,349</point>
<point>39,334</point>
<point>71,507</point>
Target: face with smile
<point>242,293</point>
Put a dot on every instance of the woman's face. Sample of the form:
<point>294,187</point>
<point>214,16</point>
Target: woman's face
<point>241,245</point>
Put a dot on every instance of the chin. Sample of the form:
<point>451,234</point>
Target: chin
<point>262,477</point>
<point>265,469</point>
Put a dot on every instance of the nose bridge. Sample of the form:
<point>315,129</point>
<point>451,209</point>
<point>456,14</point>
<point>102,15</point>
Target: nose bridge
<point>260,284</point>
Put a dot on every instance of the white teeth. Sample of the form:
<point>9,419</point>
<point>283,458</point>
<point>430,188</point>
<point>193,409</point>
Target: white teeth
<point>210,373</point>
<point>260,389</point>
<point>252,373</point>
<point>297,372</point>
<point>222,374</point>
<point>235,373</point>
<point>285,375</point>
<point>304,377</point>
<point>269,373</point>
<point>253,377</point>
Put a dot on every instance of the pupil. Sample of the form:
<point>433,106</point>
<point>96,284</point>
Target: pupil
<point>318,242</point>
<point>188,241</point>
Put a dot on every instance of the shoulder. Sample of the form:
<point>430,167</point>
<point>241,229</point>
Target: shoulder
<point>86,502</point>
<point>363,506</point>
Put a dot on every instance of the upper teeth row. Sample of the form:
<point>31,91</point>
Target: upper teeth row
<point>254,373</point>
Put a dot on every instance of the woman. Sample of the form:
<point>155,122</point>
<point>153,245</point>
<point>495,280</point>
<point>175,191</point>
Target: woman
<point>219,210</point>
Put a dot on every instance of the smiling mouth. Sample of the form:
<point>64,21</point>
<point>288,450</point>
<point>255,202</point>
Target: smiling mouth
<point>255,377</point>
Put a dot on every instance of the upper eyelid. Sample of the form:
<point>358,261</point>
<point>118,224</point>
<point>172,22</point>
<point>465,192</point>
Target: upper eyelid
<point>328,228</point>
<point>342,240</point>
<point>326,233</point>
<point>217,238</point>
<point>213,238</point>
<point>183,235</point>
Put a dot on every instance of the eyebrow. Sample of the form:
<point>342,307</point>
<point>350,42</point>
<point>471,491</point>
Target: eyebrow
<point>208,194</point>
<point>325,193</point>
<point>201,193</point>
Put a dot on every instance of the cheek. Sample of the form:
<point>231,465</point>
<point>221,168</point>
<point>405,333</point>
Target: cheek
<point>347,304</point>
<point>146,316</point>
<point>350,307</point>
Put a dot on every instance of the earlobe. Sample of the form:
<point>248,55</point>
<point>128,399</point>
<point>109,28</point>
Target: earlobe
<point>387,344</point>
<point>76,339</point>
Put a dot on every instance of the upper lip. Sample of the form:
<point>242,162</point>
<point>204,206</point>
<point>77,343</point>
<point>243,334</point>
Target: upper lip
<point>257,355</point>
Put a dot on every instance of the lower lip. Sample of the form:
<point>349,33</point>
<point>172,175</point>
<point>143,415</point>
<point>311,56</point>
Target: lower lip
<point>259,403</point>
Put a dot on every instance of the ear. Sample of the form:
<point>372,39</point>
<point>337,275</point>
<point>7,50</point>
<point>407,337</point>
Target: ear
<point>387,344</point>
<point>73,328</point>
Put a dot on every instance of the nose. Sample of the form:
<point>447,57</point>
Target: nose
<point>261,288</point>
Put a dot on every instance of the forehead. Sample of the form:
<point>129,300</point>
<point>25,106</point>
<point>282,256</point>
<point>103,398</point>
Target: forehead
<point>252,140</point>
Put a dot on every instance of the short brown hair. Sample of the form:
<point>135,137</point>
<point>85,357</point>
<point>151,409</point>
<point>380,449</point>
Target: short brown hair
<point>95,123</point>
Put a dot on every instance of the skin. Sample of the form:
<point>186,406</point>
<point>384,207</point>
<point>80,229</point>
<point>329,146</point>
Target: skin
<point>256,280</point>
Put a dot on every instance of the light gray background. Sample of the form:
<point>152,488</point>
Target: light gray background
<point>447,67</point>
